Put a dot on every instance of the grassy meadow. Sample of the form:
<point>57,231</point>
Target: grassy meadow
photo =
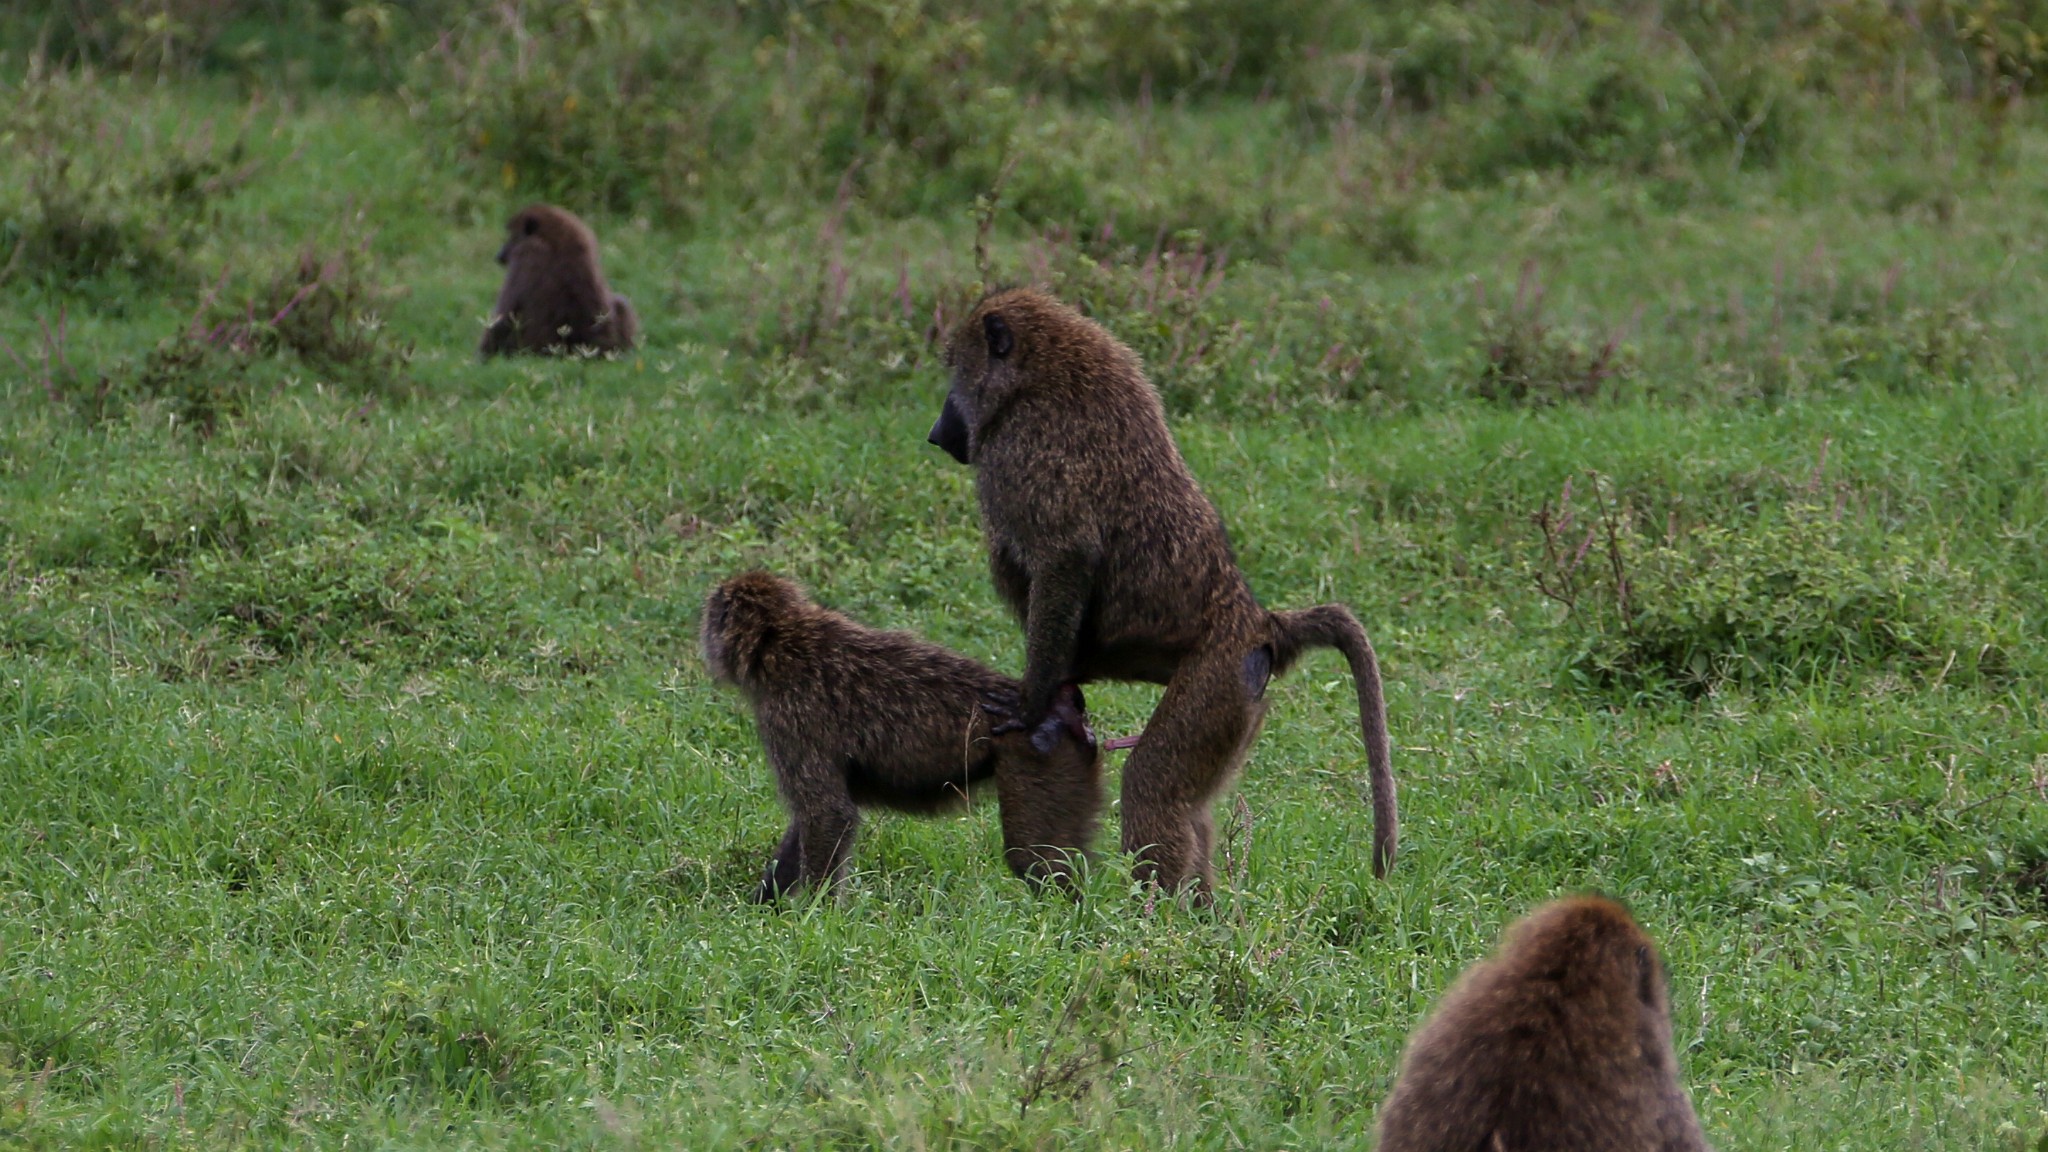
<point>1661,384</point>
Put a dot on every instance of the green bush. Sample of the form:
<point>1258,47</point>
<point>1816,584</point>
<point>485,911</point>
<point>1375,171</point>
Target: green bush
<point>416,600</point>
<point>1797,594</point>
<point>1214,339</point>
<point>1446,53</point>
<point>96,195</point>
<point>597,105</point>
<point>1523,359</point>
<point>1134,46</point>
<point>1917,349</point>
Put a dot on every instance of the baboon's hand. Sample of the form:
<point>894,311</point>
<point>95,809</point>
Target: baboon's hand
<point>1068,713</point>
<point>1006,709</point>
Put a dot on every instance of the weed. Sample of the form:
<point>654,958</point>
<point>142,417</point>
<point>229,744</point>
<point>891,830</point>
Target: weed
<point>1798,594</point>
<point>1213,341</point>
<point>451,1041</point>
<point>590,105</point>
<point>1916,349</point>
<point>1523,359</point>
<point>87,211</point>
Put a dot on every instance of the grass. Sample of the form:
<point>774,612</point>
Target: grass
<point>363,787</point>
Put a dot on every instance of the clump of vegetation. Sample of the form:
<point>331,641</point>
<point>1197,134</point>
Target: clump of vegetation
<point>202,380</point>
<point>1214,338</point>
<point>1796,593</point>
<point>458,1042</point>
<point>318,314</point>
<point>99,198</point>
<point>597,105</point>
<point>1215,335</point>
<point>1914,350</point>
<point>364,596</point>
<point>1524,359</point>
<point>326,309</point>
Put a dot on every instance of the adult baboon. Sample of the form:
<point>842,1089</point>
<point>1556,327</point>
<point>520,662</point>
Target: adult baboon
<point>851,716</point>
<point>1560,1043</point>
<point>1118,568</point>
<point>554,297</point>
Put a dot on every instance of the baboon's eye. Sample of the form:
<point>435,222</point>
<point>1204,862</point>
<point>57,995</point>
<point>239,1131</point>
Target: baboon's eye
<point>532,225</point>
<point>1000,339</point>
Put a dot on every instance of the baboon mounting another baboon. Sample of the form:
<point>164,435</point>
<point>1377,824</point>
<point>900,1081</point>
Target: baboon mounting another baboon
<point>851,717</point>
<point>1118,567</point>
<point>554,297</point>
<point>1559,1043</point>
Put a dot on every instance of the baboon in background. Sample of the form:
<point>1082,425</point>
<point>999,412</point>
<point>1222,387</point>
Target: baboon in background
<point>851,716</point>
<point>554,297</point>
<point>1118,567</point>
<point>1560,1043</point>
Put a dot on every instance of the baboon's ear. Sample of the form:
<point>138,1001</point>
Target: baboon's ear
<point>532,225</point>
<point>1001,341</point>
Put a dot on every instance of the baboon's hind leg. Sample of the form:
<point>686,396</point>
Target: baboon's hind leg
<point>783,868</point>
<point>828,832</point>
<point>1199,733</point>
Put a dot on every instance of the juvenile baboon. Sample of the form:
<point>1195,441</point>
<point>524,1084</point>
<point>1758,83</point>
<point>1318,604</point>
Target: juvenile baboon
<point>850,716</point>
<point>1118,568</point>
<point>554,297</point>
<point>1560,1043</point>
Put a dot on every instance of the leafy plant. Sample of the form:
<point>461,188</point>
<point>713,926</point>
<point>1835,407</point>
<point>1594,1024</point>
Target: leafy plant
<point>1524,359</point>
<point>90,209</point>
<point>1798,593</point>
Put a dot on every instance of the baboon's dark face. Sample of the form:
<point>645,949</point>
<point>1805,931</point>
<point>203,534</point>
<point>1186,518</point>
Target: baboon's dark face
<point>524,227</point>
<point>976,365</point>
<point>949,431</point>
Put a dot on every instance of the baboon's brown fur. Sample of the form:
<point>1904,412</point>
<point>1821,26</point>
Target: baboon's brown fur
<point>554,297</point>
<point>850,716</point>
<point>1118,568</point>
<point>1560,1043</point>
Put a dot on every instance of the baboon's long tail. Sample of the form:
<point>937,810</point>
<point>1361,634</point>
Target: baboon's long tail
<point>1333,626</point>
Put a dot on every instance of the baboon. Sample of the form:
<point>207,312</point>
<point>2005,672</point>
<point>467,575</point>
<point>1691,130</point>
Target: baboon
<point>554,297</point>
<point>1118,568</point>
<point>1560,1043</point>
<point>851,716</point>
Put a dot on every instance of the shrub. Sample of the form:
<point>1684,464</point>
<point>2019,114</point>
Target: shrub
<point>1918,349</point>
<point>323,309</point>
<point>366,596</point>
<point>1605,107</point>
<point>155,37</point>
<point>1445,53</point>
<point>2005,42</point>
<point>1212,341</point>
<point>1798,593</point>
<point>1605,93</point>
<point>1132,46</point>
<point>96,204</point>
<point>1523,359</point>
<point>317,312</point>
<point>594,105</point>
<point>899,98</point>
<point>202,382</point>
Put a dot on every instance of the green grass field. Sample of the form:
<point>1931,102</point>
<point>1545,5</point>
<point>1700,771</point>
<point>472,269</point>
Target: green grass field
<point>360,785</point>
